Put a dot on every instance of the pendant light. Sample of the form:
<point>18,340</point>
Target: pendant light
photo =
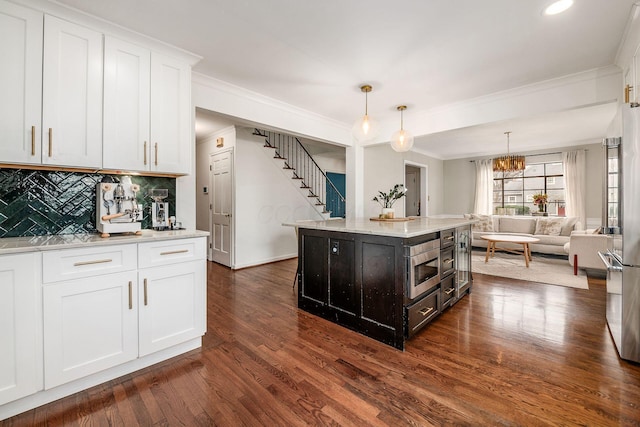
<point>402,140</point>
<point>365,128</point>
<point>508,163</point>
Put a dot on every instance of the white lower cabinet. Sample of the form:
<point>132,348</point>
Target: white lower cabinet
<point>20,326</point>
<point>89,325</point>
<point>100,318</point>
<point>171,305</point>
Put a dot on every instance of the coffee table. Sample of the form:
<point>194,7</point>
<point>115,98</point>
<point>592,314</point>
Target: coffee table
<point>492,239</point>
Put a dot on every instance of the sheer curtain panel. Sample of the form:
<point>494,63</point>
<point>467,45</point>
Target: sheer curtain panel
<point>484,187</point>
<point>574,165</point>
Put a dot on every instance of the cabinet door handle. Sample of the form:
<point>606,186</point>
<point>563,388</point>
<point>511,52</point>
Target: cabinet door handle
<point>145,291</point>
<point>156,159</point>
<point>33,140</point>
<point>145,153</point>
<point>130,295</point>
<point>181,251</point>
<point>50,142</point>
<point>425,311</point>
<point>95,261</point>
<point>448,291</point>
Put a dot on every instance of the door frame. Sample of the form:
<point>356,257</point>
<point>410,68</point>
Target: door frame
<point>232,221</point>
<point>423,196</point>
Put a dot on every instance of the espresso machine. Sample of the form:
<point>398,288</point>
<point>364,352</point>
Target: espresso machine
<point>117,207</point>
<point>159,209</point>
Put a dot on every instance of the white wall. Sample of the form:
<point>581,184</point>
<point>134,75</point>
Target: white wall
<point>460,180</point>
<point>383,168</point>
<point>265,197</point>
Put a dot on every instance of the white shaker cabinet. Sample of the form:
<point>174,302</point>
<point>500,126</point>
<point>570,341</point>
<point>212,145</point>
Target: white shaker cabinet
<point>172,294</point>
<point>90,321</point>
<point>20,84</point>
<point>146,110</point>
<point>126,143</point>
<point>72,95</point>
<point>170,115</point>
<point>20,326</point>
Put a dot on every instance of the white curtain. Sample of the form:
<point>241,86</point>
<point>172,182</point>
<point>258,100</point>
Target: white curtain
<point>574,165</point>
<point>484,187</point>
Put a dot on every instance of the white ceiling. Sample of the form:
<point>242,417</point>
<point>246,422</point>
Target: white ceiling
<point>425,54</point>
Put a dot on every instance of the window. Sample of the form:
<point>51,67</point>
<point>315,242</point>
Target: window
<point>515,190</point>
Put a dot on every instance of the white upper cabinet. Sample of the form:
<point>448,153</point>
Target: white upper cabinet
<point>170,115</point>
<point>126,105</point>
<point>146,110</point>
<point>72,95</point>
<point>20,83</point>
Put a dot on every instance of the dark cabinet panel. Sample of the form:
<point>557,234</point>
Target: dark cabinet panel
<point>342,280</point>
<point>314,268</point>
<point>378,283</point>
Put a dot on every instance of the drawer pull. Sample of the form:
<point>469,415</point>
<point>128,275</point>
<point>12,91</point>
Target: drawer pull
<point>33,140</point>
<point>145,291</point>
<point>130,295</point>
<point>449,291</point>
<point>450,238</point>
<point>97,261</point>
<point>181,251</point>
<point>447,261</point>
<point>425,311</point>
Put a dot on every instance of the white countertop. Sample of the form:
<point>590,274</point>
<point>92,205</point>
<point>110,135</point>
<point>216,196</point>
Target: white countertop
<point>415,227</point>
<point>12,245</point>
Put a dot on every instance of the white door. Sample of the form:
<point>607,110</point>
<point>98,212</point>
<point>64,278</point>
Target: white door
<point>20,83</point>
<point>221,166</point>
<point>20,333</point>
<point>71,95</point>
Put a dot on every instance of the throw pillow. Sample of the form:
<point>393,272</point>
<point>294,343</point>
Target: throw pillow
<point>485,222</point>
<point>549,226</point>
<point>517,225</point>
<point>568,225</point>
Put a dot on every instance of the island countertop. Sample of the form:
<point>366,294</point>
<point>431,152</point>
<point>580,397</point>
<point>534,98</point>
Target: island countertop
<point>12,245</point>
<point>416,226</point>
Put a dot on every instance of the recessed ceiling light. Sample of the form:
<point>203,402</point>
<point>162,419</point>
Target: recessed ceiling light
<point>558,7</point>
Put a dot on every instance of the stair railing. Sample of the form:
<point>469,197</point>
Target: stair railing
<point>305,169</point>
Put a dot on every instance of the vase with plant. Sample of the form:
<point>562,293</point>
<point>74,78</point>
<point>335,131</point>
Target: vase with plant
<point>540,200</point>
<point>387,200</point>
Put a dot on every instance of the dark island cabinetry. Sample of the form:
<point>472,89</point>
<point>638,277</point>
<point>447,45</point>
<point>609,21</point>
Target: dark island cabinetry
<point>385,287</point>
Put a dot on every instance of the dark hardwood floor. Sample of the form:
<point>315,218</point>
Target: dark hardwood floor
<point>511,353</point>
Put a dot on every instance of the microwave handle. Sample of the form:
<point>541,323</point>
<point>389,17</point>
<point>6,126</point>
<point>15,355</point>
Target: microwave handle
<point>607,264</point>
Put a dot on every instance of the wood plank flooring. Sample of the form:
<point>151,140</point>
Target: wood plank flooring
<point>511,353</point>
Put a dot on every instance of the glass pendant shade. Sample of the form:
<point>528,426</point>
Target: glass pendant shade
<point>365,128</point>
<point>402,140</point>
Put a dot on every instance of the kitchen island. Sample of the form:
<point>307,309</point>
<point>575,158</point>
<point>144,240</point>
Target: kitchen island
<point>386,280</point>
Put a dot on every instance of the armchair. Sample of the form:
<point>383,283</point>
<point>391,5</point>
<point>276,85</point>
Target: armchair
<point>583,248</point>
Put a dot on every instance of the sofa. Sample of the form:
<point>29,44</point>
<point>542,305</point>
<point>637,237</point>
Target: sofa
<point>553,232</point>
<point>583,248</point>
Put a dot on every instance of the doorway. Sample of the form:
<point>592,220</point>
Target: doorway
<point>416,199</point>
<point>221,165</point>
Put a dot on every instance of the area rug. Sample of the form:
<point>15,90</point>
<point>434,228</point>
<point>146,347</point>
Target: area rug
<point>554,271</point>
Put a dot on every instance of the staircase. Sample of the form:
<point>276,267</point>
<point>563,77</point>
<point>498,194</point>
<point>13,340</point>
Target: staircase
<point>319,189</point>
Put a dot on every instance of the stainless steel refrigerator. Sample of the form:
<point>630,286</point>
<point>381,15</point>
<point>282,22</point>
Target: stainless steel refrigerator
<point>622,220</point>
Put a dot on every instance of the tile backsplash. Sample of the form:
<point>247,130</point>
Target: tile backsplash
<point>36,203</point>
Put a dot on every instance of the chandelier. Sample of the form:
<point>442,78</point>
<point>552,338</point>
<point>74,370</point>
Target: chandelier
<point>508,163</point>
